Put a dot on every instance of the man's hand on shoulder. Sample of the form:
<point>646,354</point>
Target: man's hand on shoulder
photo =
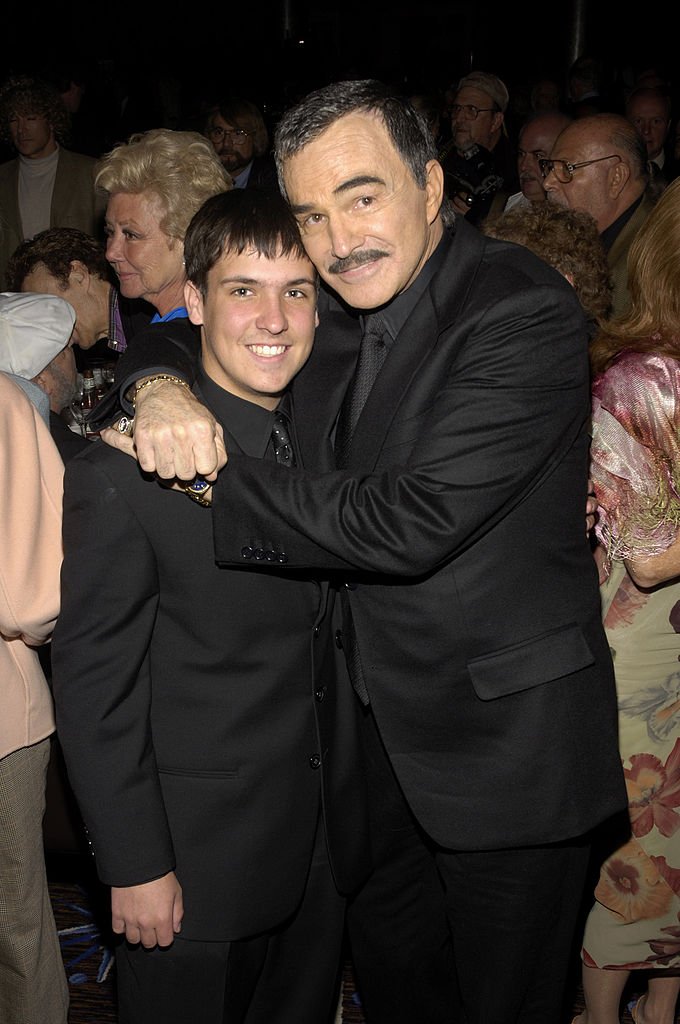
<point>174,435</point>
<point>150,913</point>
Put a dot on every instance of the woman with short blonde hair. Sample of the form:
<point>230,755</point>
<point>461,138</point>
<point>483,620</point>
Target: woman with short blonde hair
<point>155,183</point>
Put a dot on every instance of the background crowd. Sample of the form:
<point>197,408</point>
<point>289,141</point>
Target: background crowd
<point>581,168</point>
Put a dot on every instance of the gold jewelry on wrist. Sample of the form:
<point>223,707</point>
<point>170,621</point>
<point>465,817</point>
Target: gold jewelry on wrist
<point>152,380</point>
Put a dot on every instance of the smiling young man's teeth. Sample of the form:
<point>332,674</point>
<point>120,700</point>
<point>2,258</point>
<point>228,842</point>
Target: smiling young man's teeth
<point>267,350</point>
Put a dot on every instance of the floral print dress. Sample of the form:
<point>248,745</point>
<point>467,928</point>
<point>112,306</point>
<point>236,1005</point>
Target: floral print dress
<point>635,921</point>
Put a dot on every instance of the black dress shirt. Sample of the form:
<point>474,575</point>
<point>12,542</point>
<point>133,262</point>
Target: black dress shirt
<point>249,424</point>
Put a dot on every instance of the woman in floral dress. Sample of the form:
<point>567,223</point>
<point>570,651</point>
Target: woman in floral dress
<point>635,922</point>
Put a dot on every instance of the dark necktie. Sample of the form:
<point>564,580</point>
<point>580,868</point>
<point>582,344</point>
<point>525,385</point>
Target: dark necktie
<point>371,358</point>
<point>281,442</point>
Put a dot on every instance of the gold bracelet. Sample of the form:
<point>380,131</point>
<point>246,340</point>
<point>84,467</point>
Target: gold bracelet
<point>152,380</point>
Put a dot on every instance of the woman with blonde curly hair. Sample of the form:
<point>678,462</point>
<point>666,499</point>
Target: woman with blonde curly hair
<point>634,924</point>
<point>155,183</point>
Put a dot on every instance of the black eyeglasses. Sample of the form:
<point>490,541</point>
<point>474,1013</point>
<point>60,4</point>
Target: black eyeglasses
<point>469,112</point>
<point>235,135</point>
<point>564,170</point>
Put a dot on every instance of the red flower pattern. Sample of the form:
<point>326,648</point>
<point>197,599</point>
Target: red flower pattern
<point>654,792</point>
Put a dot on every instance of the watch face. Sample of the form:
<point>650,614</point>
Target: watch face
<point>198,486</point>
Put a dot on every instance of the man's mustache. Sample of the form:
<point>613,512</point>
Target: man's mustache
<point>355,259</point>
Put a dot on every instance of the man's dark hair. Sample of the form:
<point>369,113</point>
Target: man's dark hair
<point>406,127</point>
<point>56,249</point>
<point>238,221</point>
<point>31,96</point>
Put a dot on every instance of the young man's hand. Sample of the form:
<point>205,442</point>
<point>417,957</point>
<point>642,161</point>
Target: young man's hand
<point>150,913</point>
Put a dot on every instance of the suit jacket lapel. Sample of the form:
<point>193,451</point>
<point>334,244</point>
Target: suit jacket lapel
<point>434,312</point>
<point>623,240</point>
<point>412,347</point>
<point>320,386</point>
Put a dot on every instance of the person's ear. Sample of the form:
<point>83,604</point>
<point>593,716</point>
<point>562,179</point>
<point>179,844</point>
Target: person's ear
<point>434,189</point>
<point>619,176</point>
<point>193,300</point>
<point>44,381</point>
<point>79,275</point>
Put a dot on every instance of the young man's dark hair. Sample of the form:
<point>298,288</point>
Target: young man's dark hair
<point>236,222</point>
<point>57,249</point>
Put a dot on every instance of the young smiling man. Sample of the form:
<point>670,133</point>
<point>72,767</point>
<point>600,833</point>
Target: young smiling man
<point>197,705</point>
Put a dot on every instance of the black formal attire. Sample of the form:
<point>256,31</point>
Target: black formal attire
<point>483,178</point>
<point>671,167</point>
<point>204,733</point>
<point>474,602</point>
<point>472,622</point>
<point>263,174</point>
<point>158,348</point>
<point>67,441</point>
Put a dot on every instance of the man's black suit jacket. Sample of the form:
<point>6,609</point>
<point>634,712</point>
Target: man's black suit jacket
<point>459,526</point>
<point>197,707</point>
<point>263,173</point>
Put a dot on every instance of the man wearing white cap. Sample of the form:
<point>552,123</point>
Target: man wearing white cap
<point>36,346</point>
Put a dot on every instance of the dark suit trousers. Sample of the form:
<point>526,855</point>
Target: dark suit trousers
<point>289,974</point>
<point>441,936</point>
<point>397,924</point>
<point>513,916</point>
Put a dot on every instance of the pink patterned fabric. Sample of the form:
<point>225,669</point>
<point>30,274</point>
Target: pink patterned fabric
<point>635,454</point>
<point>634,922</point>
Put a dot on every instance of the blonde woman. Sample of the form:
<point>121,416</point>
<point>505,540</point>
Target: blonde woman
<point>154,185</point>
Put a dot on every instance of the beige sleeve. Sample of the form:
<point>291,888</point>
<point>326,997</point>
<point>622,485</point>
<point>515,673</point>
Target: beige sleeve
<point>31,483</point>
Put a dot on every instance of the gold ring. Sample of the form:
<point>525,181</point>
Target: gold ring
<point>125,425</point>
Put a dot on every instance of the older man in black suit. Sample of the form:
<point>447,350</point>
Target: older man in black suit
<point>197,705</point>
<point>450,384</point>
